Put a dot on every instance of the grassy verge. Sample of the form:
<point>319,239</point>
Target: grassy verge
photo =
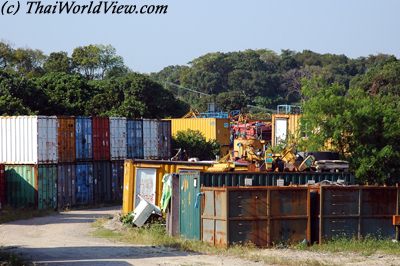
<point>9,214</point>
<point>7,258</point>
<point>155,235</point>
<point>366,247</point>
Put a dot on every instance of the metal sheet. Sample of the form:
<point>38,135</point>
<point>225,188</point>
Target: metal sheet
<point>22,185</point>
<point>66,139</point>
<point>117,180</point>
<point>118,138</point>
<point>2,186</point>
<point>102,182</point>
<point>101,138</point>
<point>145,185</point>
<point>292,126</point>
<point>134,139</point>
<point>173,210</point>
<point>356,212</point>
<point>219,179</point>
<point>189,215</point>
<point>84,184</point>
<point>66,186</point>
<point>28,139</point>
<point>47,186</point>
<point>150,139</point>
<point>164,140</point>
<point>83,138</point>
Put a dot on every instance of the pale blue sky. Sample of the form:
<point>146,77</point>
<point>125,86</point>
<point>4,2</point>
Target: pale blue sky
<point>195,27</point>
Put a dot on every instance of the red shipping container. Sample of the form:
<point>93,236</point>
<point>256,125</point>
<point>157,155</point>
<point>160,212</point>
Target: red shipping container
<point>101,138</point>
<point>2,186</point>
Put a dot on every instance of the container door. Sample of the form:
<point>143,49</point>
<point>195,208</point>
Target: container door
<point>189,218</point>
<point>280,130</point>
<point>145,185</point>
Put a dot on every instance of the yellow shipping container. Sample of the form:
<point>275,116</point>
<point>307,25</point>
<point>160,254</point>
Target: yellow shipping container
<point>145,177</point>
<point>212,128</point>
<point>285,126</point>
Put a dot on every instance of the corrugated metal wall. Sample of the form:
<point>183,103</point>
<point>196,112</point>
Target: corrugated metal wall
<point>118,138</point>
<point>101,138</point>
<point>84,184</point>
<point>2,185</point>
<point>117,180</point>
<point>22,184</point>
<point>83,137</point>
<point>164,140</point>
<point>47,186</point>
<point>66,139</point>
<point>150,139</point>
<point>102,182</point>
<point>66,186</point>
<point>28,140</point>
<point>134,139</point>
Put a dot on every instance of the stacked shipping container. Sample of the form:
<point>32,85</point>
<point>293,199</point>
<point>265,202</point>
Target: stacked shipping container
<point>65,161</point>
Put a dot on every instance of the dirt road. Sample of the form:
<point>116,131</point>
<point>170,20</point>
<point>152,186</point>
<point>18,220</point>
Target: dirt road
<point>65,239</point>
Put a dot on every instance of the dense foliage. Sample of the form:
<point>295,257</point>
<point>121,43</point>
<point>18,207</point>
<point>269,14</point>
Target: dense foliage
<point>193,144</point>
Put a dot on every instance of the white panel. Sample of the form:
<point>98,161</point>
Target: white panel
<point>118,138</point>
<point>150,139</point>
<point>145,185</point>
<point>280,130</point>
<point>18,136</point>
<point>47,139</point>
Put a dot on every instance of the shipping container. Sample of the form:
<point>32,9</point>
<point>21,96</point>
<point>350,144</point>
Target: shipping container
<point>148,174</point>
<point>28,140</point>
<point>164,140</point>
<point>150,139</point>
<point>101,138</point>
<point>84,184</point>
<point>172,212</point>
<point>102,182</point>
<point>134,130</point>
<point>118,138</point>
<point>220,179</point>
<point>47,187</point>
<point>264,216</point>
<point>2,186</point>
<point>212,129</point>
<point>22,185</point>
<point>83,138</point>
<point>356,211</point>
<point>117,180</point>
<point>66,186</point>
<point>189,205</point>
<point>285,127</point>
<point>66,139</point>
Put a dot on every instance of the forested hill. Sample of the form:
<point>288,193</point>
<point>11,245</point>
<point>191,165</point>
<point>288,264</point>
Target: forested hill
<point>94,80</point>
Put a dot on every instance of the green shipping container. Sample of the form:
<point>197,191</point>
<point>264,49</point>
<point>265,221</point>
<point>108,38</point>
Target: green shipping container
<point>21,186</point>
<point>47,187</point>
<point>189,213</point>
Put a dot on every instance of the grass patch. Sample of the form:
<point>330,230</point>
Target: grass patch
<point>11,259</point>
<point>8,214</point>
<point>367,246</point>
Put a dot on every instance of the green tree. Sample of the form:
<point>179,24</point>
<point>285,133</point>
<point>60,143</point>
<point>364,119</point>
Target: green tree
<point>195,145</point>
<point>58,62</point>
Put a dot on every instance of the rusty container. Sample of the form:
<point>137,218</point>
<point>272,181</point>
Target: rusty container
<point>101,138</point>
<point>356,211</point>
<point>65,186</point>
<point>172,224</point>
<point>66,139</point>
<point>264,216</point>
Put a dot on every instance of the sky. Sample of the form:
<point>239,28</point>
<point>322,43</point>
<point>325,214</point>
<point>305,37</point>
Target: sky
<point>192,28</point>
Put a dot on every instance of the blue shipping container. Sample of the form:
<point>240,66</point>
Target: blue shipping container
<point>83,138</point>
<point>135,139</point>
<point>117,180</point>
<point>84,184</point>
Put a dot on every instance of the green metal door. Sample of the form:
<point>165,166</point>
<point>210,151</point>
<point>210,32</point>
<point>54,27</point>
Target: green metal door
<point>21,182</point>
<point>47,186</point>
<point>189,214</point>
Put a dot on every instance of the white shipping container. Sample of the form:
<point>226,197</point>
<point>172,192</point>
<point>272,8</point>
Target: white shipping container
<point>118,138</point>
<point>150,139</point>
<point>28,139</point>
